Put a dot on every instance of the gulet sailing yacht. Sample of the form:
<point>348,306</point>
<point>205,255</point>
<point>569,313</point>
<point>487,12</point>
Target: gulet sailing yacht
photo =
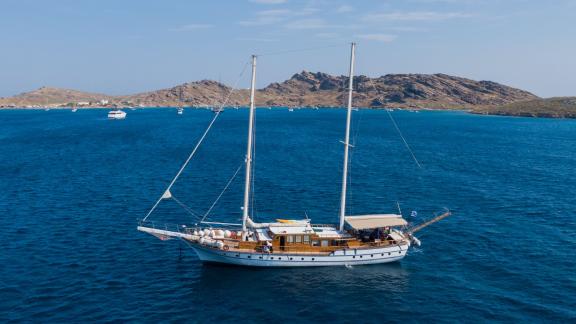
<point>354,240</point>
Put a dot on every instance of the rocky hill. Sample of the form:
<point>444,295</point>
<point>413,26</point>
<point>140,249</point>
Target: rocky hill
<point>203,92</point>
<point>560,107</point>
<point>438,91</point>
<point>52,96</point>
<point>392,90</point>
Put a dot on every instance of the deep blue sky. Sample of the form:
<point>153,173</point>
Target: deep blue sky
<point>122,47</point>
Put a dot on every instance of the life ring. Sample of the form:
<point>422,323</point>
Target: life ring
<point>225,248</point>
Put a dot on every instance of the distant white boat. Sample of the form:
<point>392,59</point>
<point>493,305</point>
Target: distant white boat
<point>180,111</point>
<point>290,109</point>
<point>74,109</point>
<point>116,114</point>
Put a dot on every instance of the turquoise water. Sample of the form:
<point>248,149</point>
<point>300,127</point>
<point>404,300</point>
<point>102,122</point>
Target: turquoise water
<point>72,186</point>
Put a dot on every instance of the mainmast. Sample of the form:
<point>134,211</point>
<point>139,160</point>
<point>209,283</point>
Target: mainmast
<point>347,138</point>
<point>249,147</point>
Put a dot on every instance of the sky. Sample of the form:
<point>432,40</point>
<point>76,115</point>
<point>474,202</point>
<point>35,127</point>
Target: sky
<point>130,46</point>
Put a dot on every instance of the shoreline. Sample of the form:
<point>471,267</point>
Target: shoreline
<point>462,110</point>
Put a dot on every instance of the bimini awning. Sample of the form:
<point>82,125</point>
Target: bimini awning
<point>361,222</point>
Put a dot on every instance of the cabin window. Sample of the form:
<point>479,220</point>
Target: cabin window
<point>298,239</point>
<point>306,238</point>
<point>315,243</point>
<point>324,243</point>
<point>290,238</point>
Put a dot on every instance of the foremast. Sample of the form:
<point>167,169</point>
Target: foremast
<point>249,147</point>
<point>347,138</point>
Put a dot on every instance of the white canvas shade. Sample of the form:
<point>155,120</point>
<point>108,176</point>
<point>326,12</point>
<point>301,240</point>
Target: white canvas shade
<point>375,221</point>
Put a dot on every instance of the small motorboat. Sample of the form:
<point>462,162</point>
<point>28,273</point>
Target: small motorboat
<point>116,114</point>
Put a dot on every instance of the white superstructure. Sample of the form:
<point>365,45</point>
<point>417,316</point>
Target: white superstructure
<point>116,114</point>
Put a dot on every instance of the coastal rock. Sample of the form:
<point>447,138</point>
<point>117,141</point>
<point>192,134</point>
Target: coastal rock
<point>438,91</point>
<point>558,107</point>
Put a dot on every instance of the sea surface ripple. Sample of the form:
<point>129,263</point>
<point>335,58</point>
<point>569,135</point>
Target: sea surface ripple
<point>73,185</point>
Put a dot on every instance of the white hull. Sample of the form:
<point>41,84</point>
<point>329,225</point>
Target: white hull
<point>338,258</point>
<point>116,114</point>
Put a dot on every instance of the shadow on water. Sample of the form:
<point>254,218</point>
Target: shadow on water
<point>318,293</point>
<point>387,278</point>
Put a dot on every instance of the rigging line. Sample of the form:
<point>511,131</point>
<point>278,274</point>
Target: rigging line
<point>302,49</point>
<point>397,128</point>
<point>222,193</point>
<point>196,147</point>
<point>186,208</point>
<point>404,140</point>
<point>233,88</point>
<point>353,155</point>
<point>185,164</point>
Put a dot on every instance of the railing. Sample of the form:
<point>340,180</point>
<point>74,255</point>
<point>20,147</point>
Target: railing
<point>324,225</point>
<point>185,229</point>
<point>182,229</point>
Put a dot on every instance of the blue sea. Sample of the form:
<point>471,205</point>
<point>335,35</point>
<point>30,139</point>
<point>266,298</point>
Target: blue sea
<point>73,186</point>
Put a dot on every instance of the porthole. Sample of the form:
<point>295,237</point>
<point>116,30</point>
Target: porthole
<point>291,258</point>
<point>260,257</point>
<point>360,257</point>
<point>399,252</point>
<point>354,257</point>
<point>249,257</point>
<point>389,253</point>
<point>312,259</point>
<point>382,254</point>
<point>271,258</point>
<point>237,255</point>
<point>279,258</point>
<point>302,259</point>
<point>371,255</point>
